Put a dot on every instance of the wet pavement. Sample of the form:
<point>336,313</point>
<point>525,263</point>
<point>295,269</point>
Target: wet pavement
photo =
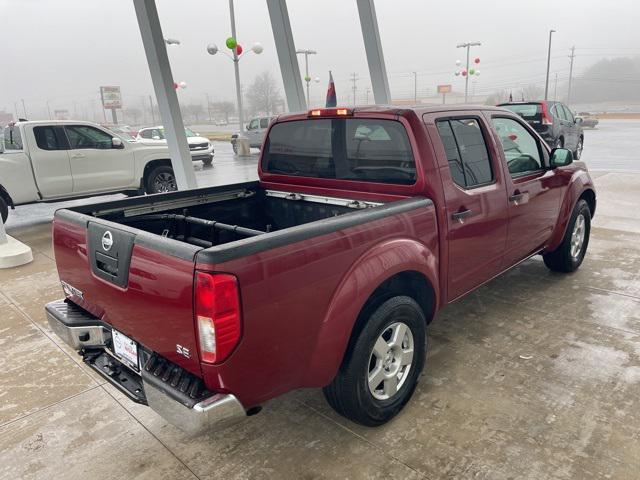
<point>535,375</point>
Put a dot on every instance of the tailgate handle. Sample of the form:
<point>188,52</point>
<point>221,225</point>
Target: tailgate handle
<point>107,264</point>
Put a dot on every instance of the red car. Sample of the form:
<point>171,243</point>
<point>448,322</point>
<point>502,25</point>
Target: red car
<point>326,272</point>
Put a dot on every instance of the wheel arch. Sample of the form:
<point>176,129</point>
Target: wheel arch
<point>398,267</point>
<point>150,165</point>
<point>6,197</point>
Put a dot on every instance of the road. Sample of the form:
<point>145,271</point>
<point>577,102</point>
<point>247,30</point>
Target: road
<point>613,146</point>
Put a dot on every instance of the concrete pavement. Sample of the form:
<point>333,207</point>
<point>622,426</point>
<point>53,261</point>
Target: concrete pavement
<point>535,375</point>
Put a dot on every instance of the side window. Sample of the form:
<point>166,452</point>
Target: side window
<point>145,134</point>
<point>82,136</point>
<point>556,112</point>
<point>254,124</point>
<point>567,113</point>
<point>12,138</point>
<point>451,149</point>
<point>521,149</point>
<point>466,152</point>
<point>47,138</point>
<point>264,122</point>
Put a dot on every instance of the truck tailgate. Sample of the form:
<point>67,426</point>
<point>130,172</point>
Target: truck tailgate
<point>140,284</point>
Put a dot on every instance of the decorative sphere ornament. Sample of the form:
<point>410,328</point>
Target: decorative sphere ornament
<point>317,79</point>
<point>458,62</point>
<point>231,43</point>
<point>457,74</point>
<point>471,71</point>
<point>257,48</point>
<point>175,86</point>
<point>239,49</point>
<point>477,72</point>
<point>307,78</point>
<point>463,73</point>
<point>212,49</point>
<point>183,84</point>
<point>476,60</point>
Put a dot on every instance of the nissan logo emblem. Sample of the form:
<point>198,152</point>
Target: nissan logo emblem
<point>107,241</point>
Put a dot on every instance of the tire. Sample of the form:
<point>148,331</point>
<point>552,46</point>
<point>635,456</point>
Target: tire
<point>375,352</point>
<point>4,210</point>
<point>207,162</point>
<point>161,180</point>
<point>570,254</point>
<point>578,151</point>
<point>235,148</point>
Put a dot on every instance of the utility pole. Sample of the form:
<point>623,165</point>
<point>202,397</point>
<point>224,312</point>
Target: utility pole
<point>367,95</point>
<point>468,46</point>
<point>307,78</point>
<point>24,109</point>
<point>49,110</point>
<point>572,56</point>
<point>555,87</point>
<point>354,79</point>
<point>546,83</point>
<point>236,66</point>
<point>415,87</point>
<point>208,107</point>
<point>153,114</point>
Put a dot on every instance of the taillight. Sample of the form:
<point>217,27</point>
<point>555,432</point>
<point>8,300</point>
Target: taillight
<point>217,304</point>
<point>546,118</point>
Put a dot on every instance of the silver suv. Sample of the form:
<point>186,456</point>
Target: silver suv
<point>255,132</point>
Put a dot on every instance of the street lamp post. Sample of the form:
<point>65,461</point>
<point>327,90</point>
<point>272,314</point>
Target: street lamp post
<point>236,49</point>
<point>546,83</point>
<point>307,78</point>
<point>468,46</point>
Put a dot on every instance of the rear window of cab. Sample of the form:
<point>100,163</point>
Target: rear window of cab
<point>525,110</point>
<point>360,149</point>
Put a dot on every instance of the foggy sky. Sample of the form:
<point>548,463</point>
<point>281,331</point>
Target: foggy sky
<point>61,51</point>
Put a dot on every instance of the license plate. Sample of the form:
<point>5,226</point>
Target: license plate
<point>125,348</point>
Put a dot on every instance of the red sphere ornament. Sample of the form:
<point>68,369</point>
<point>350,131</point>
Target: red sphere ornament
<point>476,60</point>
<point>175,86</point>
<point>239,49</point>
<point>463,73</point>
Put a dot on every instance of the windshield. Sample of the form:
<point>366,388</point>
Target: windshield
<point>369,150</point>
<point>525,110</point>
<point>121,133</point>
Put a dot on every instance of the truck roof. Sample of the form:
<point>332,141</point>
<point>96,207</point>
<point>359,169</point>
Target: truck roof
<point>399,110</point>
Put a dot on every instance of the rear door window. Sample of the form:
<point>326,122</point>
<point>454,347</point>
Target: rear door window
<point>49,138</point>
<point>12,138</point>
<point>466,151</point>
<point>370,150</point>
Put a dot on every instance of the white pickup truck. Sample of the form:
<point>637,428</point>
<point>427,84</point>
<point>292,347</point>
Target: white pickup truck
<point>45,161</point>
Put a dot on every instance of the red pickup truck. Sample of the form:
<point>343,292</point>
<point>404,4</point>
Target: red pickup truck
<point>204,304</point>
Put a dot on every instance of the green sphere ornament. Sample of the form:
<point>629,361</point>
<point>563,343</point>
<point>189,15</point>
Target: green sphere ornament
<point>307,78</point>
<point>471,71</point>
<point>231,43</point>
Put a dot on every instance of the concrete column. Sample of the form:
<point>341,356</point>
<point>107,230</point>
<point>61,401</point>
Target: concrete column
<point>373,48</point>
<point>162,79</point>
<point>287,55</point>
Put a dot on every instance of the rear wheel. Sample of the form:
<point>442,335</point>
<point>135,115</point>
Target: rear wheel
<point>161,179</point>
<point>4,209</point>
<point>382,366</point>
<point>570,254</point>
<point>207,162</point>
<point>235,147</point>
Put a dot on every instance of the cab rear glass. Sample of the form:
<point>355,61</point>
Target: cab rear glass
<point>360,149</point>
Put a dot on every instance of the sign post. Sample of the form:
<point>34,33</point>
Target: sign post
<point>444,89</point>
<point>111,100</point>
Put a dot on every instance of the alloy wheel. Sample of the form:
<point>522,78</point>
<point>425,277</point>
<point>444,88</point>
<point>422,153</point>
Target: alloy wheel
<point>577,236</point>
<point>390,361</point>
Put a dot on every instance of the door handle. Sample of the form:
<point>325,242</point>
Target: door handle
<point>517,197</point>
<point>460,216</point>
<point>78,155</point>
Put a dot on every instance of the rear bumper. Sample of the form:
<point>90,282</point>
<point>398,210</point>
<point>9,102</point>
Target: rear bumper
<point>176,395</point>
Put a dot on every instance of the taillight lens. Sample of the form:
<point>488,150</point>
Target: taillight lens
<point>546,118</point>
<point>217,304</point>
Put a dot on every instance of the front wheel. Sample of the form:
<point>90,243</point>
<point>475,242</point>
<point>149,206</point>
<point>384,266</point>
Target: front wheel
<point>161,180</point>
<point>207,162</point>
<point>234,145</point>
<point>382,365</point>
<point>570,254</point>
<point>578,151</point>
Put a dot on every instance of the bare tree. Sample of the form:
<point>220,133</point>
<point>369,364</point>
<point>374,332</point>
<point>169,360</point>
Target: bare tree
<point>224,108</point>
<point>531,93</point>
<point>263,94</point>
<point>497,97</point>
<point>133,114</point>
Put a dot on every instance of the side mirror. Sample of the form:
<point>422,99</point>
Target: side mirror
<point>561,157</point>
<point>579,120</point>
<point>116,143</point>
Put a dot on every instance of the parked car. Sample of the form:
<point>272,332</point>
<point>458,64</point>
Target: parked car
<point>255,132</point>
<point>554,121</point>
<point>45,161</point>
<point>589,120</point>
<point>204,304</point>
<point>201,148</point>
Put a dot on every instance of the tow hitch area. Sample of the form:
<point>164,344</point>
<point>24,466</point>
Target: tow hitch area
<point>116,373</point>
